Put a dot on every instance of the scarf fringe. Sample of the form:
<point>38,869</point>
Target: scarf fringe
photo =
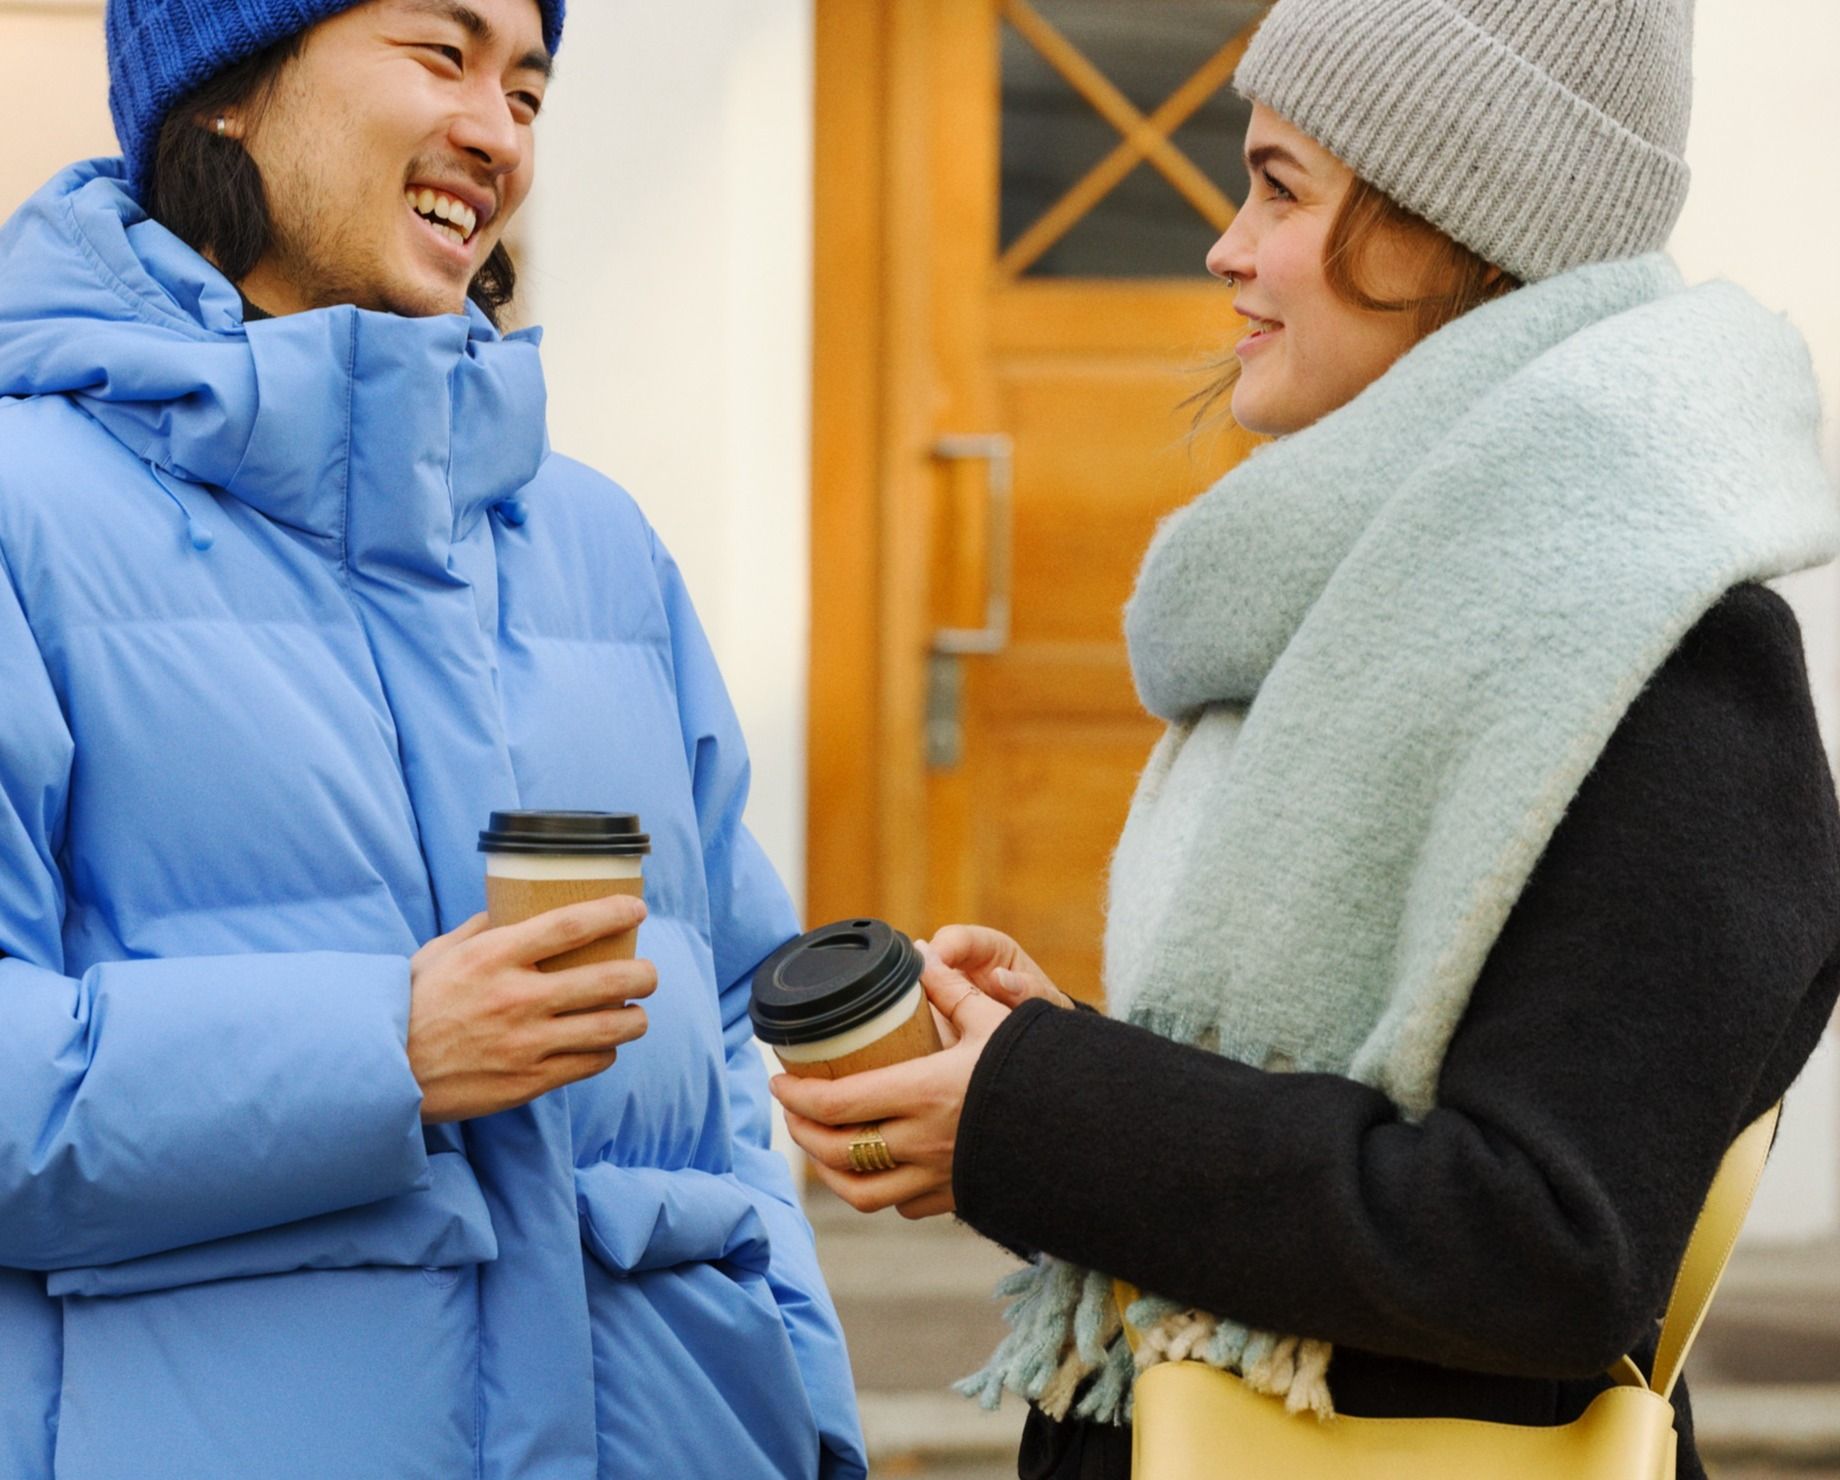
<point>1066,1328</point>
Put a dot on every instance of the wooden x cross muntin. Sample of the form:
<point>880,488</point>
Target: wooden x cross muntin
<point>1143,137</point>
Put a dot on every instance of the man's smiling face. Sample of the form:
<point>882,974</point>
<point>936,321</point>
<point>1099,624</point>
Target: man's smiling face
<point>394,152</point>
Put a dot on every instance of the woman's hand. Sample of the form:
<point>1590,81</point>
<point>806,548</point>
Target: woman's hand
<point>917,1105</point>
<point>993,963</point>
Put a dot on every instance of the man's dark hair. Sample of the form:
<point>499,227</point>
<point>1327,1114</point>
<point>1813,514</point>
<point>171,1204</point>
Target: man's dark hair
<point>207,191</point>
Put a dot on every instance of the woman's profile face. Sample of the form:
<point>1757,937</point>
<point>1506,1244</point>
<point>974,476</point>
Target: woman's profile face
<point>1309,351</point>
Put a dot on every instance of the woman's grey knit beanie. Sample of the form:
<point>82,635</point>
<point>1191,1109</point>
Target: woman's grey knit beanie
<point>1541,134</point>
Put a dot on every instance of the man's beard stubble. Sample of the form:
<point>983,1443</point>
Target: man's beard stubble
<point>321,251</point>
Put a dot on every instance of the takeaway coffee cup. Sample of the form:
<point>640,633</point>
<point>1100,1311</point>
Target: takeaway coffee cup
<point>538,861</point>
<point>843,999</point>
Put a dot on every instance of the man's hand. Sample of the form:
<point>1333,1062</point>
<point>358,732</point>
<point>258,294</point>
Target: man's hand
<point>488,1030</point>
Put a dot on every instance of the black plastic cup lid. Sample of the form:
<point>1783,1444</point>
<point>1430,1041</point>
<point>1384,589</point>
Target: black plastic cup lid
<point>832,980</point>
<point>608,834</point>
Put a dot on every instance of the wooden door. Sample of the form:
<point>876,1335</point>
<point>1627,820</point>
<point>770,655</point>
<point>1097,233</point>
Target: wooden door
<point>1014,201</point>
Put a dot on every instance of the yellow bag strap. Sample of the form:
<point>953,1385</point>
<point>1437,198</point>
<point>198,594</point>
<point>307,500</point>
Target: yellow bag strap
<point>1124,1293</point>
<point>1715,1235</point>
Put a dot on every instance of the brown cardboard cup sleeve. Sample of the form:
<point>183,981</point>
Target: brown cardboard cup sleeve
<point>541,861</point>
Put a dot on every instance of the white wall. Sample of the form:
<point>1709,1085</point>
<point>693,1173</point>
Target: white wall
<point>54,87</point>
<point>1765,214</point>
<point>668,255</point>
<point>1764,211</point>
<point>667,252</point>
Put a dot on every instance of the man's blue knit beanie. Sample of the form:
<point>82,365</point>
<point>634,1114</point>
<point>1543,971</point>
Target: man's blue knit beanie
<point>159,50</point>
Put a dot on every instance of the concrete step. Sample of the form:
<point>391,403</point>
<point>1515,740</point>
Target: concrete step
<point>1790,1424</point>
<point>938,1426</point>
<point>915,1298</point>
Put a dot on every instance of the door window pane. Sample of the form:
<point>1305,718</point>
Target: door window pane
<point>1053,136</point>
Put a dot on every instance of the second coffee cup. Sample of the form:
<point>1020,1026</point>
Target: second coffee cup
<point>540,861</point>
<point>843,999</point>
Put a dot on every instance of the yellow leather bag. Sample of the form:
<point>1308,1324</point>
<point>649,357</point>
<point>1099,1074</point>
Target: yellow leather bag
<point>1194,1422</point>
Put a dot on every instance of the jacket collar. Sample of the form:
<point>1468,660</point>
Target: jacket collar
<point>411,428</point>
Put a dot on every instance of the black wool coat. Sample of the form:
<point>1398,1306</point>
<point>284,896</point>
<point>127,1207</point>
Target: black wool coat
<point>1664,976</point>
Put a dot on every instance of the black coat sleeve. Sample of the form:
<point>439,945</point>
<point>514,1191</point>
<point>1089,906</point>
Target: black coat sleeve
<point>1665,974</point>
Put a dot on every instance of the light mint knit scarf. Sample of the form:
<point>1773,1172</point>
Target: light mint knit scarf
<point>1389,649</point>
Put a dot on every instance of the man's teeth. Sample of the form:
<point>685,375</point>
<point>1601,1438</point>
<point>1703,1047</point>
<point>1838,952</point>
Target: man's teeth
<point>454,217</point>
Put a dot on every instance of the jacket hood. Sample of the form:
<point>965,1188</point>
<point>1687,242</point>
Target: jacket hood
<point>103,304</point>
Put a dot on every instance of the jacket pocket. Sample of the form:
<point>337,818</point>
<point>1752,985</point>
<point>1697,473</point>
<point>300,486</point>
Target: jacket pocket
<point>343,1345</point>
<point>635,1219</point>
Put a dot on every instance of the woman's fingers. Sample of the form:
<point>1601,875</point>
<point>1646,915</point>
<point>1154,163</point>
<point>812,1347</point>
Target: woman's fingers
<point>826,1145</point>
<point>914,1106</point>
<point>1013,988</point>
<point>972,1013</point>
<point>874,1094</point>
<point>1009,987</point>
<point>870,1192</point>
<point>928,1204</point>
<point>907,1141</point>
<point>973,949</point>
<point>919,1188</point>
<point>993,963</point>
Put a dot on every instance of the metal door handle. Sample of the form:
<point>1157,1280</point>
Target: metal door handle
<point>999,452</point>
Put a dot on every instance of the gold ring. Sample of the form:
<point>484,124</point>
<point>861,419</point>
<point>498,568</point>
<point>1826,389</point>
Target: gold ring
<point>868,1151</point>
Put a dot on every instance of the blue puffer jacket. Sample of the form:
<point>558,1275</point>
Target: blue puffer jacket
<point>285,610</point>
